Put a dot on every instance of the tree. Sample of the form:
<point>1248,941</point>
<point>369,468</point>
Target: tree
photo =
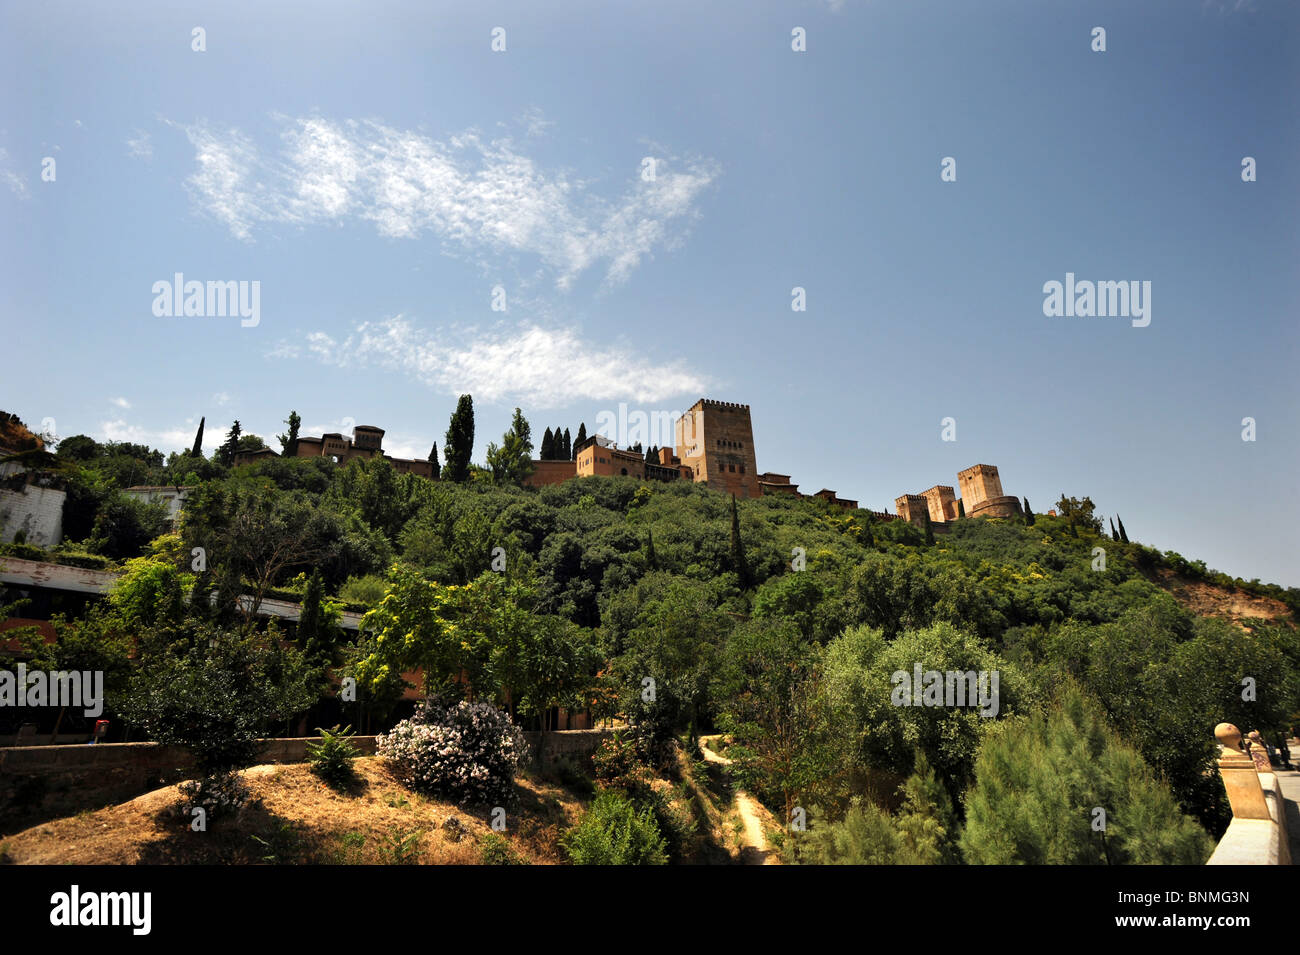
<point>651,560</point>
<point>1079,513</point>
<point>738,564</point>
<point>929,531</point>
<point>459,443</point>
<point>318,629</point>
<point>1114,534</point>
<point>216,693</point>
<point>1040,781</point>
<point>566,451</point>
<point>197,450</point>
<point>124,525</point>
<point>582,439</point>
<point>512,462</point>
<point>1123,534</point>
<point>436,472</point>
<point>548,446</point>
<point>226,453</point>
<point>1029,513</point>
<point>289,442</point>
<point>961,507</point>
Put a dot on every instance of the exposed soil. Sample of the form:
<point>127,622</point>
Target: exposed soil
<point>300,819</point>
<point>1211,600</point>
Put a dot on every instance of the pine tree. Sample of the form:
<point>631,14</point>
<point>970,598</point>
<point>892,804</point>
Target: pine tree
<point>1123,534</point>
<point>289,442</point>
<point>197,450</point>
<point>652,455</point>
<point>458,445</point>
<point>582,439</point>
<point>651,560</point>
<point>436,472</point>
<point>548,445</point>
<point>738,563</point>
<point>566,448</point>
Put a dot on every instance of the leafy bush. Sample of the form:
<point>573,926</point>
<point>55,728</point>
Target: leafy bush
<point>613,832</point>
<point>495,849</point>
<point>217,794</point>
<point>466,752</point>
<point>23,551</point>
<point>331,758</point>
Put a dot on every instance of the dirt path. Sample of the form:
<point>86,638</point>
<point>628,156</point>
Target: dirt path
<point>754,847</point>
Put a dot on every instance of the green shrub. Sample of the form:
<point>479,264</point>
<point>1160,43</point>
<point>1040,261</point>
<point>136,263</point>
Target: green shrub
<point>23,551</point>
<point>331,758</point>
<point>495,849</point>
<point>1040,781</point>
<point>613,832</point>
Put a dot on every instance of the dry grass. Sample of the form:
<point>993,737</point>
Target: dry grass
<point>299,819</point>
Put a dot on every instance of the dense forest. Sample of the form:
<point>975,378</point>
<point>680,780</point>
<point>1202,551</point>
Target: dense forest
<point>780,622</point>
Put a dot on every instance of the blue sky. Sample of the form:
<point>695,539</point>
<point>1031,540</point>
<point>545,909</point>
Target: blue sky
<point>379,171</point>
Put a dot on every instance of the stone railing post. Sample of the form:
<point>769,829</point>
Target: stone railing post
<point>1240,778</point>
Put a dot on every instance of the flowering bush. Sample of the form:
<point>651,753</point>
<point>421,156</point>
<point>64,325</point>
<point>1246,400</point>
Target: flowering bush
<point>466,752</point>
<point>220,794</point>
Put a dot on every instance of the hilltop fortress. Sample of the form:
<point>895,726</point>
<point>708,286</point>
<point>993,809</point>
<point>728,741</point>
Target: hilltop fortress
<point>715,443</point>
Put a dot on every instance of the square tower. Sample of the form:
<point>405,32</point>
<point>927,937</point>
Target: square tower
<point>979,483</point>
<point>716,440</point>
<point>941,502</point>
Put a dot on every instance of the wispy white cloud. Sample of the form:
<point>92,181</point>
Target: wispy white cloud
<point>477,196</point>
<point>17,185</point>
<point>221,398</point>
<point>140,146</point>
<point>534,366</point>
<point>121,403</point>
<point>165,439</point>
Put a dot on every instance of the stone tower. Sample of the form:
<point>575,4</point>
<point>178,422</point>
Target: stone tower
<point>716,440</point>
<point>979,483</point>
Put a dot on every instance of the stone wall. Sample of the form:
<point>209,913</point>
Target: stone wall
<point>574,747</point>
<point>38,511</point>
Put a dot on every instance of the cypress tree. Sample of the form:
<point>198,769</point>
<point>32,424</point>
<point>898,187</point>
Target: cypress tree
<point>1029,513</point>
<point>961,507</point>
<point>1123,534</point>
<point>566,448</point>
<point>738,563</point>
<point>582,439</point>
<point>929,531</point>
<point>548,445</point>
<point>458,445</point>
<point>289,442</point>
<point>652,561</point>
<point>197,450</point>
<point>433,461</point>
<point>1114,534</point>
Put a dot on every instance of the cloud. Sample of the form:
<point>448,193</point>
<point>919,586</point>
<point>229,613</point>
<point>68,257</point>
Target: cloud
<point>528,364</point>
<point>121,403</point>
<point>120,430</point>
<point>534,121</point>
<point>141,146</point>
<point>477,197</point>
<point>221,398</point>
<point>15,182</point>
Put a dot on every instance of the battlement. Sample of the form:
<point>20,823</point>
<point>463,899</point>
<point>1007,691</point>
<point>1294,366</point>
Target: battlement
<point>722,405</point>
